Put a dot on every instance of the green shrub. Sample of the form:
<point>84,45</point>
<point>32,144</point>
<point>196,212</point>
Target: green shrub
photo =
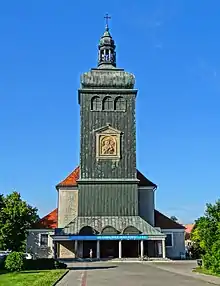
<point>39,264</point>
<point>14,261</point>
<point>212,258</point>
<point>2,263</point>
<point>60,265</point>
<point>43,264</point>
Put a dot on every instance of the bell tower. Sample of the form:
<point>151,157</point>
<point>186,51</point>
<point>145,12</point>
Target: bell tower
<point>108,183</point>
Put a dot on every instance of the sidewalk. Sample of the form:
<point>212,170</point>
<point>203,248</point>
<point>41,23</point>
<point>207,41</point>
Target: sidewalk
<point>185,268</point>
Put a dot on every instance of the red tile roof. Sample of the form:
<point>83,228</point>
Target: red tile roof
<point>51,221</point>
<point>189,227</point>
<point>48,221</point>
<point>71,179</point>
<point>164,222</point>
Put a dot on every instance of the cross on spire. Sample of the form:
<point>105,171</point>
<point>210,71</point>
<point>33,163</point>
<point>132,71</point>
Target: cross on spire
<point>107,18</point>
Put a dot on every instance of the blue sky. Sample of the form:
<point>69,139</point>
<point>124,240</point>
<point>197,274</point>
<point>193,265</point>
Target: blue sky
<point>171,46</point>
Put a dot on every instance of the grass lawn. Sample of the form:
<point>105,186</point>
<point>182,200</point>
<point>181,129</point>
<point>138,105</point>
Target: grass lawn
<point>203,271</point>
<point>33,278</point>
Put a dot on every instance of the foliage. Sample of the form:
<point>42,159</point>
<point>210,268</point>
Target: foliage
<point>14,261</point>
<point>60,265</point>
<point>27,278</point>
<point>205,271</point>
<point>16,216</point>
<point>206,236</point>
<point>2,262</point>
<point>43,264</point>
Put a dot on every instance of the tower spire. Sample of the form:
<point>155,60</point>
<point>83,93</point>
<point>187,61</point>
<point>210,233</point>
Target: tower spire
<point>107,17</point>
<point>107,54</point>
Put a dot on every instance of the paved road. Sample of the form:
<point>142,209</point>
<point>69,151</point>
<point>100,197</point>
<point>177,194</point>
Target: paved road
<point>131,274</point>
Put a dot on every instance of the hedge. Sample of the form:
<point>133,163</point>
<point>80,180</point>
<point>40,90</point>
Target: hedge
<point>38,264</point>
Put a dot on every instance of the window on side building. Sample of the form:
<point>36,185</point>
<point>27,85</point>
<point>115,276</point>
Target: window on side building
<point>44,239</point>
<point>169,240</point>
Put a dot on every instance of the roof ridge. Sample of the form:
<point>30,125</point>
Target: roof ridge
<point>71,179</point>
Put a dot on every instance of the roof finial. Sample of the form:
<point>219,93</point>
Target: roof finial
<point>107,17</point>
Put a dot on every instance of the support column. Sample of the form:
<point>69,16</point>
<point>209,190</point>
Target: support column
<point>55,249</point>
<point>142,249</point>
<point>159,248</point>
<point>163,249</point>
<point>120,249</point>
<point>98,249</point>
<point>75,247</point>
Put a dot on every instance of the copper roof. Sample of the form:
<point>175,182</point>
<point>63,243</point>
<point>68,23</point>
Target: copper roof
<point>162,221</point>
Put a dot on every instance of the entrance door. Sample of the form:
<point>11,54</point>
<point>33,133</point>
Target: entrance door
<point>130,248</point>
<point>87,245</point>
<point>109,249</point>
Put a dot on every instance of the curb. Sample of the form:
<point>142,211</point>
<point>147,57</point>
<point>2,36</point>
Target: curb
<point>64,274</point>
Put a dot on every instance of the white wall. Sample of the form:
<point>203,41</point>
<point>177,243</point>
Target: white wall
<point>33,243</point>
<point>67,206</point>
<point>178,243</point>
<point>146,204</point>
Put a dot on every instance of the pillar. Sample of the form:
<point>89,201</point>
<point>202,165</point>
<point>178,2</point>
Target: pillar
<point>159,247</point>
<point>98,249</point>
<point>120,249</point>
<point>55,249</point>
<point>75,247</point>
<point>142,249</point>
<point>163,249</point>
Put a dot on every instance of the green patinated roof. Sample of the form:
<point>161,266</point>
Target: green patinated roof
<point>98,223</point>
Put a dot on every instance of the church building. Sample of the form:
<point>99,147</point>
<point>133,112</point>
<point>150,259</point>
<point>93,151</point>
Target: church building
<point>106,206</point>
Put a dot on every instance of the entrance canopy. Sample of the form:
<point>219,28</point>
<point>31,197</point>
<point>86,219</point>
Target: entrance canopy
<point>130,227</point>
<point>99,237</point>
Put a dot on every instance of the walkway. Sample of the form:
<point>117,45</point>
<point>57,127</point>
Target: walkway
<point>134,274</point>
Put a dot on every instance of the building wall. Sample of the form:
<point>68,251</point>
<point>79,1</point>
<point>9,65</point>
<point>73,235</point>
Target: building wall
<point>178,247</point>
<point>108,199</point>
<point>124,121</point>
<point>66,249</point>
<point>146,204</point>
<point>67,206</point>
<point>33,244</point>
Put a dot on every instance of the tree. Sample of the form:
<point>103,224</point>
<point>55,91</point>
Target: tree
<point>174,218</point>
<point>16,216</point>
<point>206,235</point>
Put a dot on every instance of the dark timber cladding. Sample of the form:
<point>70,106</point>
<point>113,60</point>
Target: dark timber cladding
<point>108,200</point>
<point>108,177</point>
<point>91,168</point>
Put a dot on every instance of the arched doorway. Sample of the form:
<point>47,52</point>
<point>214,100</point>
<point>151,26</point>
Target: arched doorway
<point>130,248</point>
<point>86,245</point>
<point>109,248</point>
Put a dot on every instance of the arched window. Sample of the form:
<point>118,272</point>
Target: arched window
<point>96,103</point>
<point>107,103</point>
<point>109,230</point>
<point>119,103</point>
<point>131,230</point>
<point>87,230</point>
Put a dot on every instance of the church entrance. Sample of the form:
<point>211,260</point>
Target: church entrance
<point>87,245</point>
<point>109,249</point>
<point>130,248</point>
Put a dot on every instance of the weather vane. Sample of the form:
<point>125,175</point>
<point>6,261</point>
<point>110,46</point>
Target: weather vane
<point>107,18</point>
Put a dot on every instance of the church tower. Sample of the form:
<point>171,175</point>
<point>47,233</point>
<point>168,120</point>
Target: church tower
<point>108,182</point>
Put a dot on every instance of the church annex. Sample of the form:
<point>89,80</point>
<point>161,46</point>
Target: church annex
<point>106,204</point>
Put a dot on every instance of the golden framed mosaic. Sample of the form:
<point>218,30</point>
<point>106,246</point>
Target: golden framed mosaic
<point>108,143</point>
